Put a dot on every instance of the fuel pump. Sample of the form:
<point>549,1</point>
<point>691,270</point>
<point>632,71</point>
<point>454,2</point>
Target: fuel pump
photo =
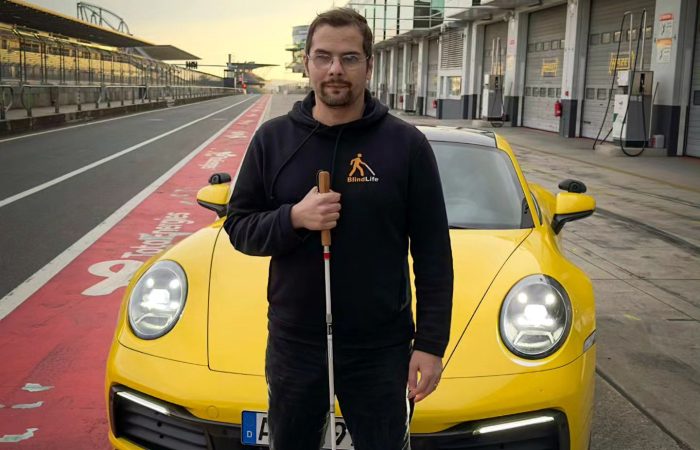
<point>410,97</point>
<point>633,104</point>
<point>632,108</point>
<point>633,100</point>
<point>492,94</point>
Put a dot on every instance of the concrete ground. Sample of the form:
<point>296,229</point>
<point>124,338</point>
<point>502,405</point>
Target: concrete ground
<point>642,251</point>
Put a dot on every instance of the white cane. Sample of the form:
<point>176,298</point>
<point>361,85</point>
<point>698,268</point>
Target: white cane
<point>324,181</point>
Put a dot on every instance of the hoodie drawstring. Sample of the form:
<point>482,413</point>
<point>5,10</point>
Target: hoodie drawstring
<point>289,158</point>
<point>335,151</point>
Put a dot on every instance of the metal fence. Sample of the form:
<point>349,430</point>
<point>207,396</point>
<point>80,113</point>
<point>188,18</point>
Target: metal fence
<point>79,95</point>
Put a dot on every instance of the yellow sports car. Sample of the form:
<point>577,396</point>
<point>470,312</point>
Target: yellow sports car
<point>186,368</point>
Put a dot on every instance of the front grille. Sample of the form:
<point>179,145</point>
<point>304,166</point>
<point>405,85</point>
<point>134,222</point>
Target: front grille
<point>182,431</point>
<point>552,435</point>
<point>179,431</point>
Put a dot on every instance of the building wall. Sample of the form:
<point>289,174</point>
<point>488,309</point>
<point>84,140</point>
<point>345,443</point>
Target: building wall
<point>582,80</point>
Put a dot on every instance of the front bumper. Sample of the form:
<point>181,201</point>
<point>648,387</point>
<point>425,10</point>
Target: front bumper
<point>198,409</point>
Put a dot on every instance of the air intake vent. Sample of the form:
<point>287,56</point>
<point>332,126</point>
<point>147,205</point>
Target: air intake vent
<point>452,48</point>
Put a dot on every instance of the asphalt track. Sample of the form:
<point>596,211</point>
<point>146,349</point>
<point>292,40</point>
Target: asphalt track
<point>54,218</point>
<point>78,210</point>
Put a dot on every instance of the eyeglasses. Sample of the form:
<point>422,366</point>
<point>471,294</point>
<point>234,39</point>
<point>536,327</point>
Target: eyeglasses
<point>324,61</point>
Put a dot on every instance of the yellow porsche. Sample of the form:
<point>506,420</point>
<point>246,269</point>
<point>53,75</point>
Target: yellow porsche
<point>186,367</point>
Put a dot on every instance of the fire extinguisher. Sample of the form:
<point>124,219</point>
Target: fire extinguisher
<point>434,104</point>
<point>400,98</point>
<point>557,109</point>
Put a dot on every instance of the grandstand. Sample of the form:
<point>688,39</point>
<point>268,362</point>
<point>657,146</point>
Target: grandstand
<point>36,57</point>
<point>48,59</point>
<point>41,46</point>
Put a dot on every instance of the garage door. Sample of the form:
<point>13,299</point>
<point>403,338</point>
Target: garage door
<point>545,57</point>
<point>604,34</point>
<point>495,65</point>
<point>693,142</point>
<point>432,76</point>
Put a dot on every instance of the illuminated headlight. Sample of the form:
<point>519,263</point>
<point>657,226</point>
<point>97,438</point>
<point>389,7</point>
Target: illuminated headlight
<point>535,317</point>
<point>157,300</point>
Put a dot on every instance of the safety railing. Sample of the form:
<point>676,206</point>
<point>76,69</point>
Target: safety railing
<point>99,94</point>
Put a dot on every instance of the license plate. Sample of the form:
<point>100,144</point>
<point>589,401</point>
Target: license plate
<point>255,431</point>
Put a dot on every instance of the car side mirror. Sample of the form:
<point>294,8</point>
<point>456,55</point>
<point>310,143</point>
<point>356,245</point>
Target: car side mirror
<point>215,196</point>
<point>575,186</point>
<point>571,206</point>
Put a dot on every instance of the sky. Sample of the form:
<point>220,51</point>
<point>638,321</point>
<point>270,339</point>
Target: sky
<point>211,29</point>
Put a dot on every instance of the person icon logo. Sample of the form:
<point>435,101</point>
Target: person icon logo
<point>358,165</point>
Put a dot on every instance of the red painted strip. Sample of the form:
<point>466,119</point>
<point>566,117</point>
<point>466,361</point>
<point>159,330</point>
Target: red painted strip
<point>326,255</point>
<point>60,336</point>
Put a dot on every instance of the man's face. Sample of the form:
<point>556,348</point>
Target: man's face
<point>337,66</point>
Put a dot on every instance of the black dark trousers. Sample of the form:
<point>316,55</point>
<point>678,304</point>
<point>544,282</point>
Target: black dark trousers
<point>370,386</point>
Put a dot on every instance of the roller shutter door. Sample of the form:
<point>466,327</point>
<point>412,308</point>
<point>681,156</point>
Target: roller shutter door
<point>693,141</point>
<point>495,65</point>
<point>432,76</point>
<point>602,48</point>
<point>545,57</point>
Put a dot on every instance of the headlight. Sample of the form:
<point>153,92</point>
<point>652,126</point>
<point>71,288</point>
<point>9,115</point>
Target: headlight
<point>535,317</point>
<point>157,300</point>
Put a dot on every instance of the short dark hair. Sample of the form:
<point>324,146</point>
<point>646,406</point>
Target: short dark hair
<point>342,17</point>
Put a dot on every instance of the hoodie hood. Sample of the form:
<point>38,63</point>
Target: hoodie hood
<point>301,114</point>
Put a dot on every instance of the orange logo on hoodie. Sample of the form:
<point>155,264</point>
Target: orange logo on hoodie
<point>358,165</point>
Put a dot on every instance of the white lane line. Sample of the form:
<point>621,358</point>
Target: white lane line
<point>28,405</point>
<point>35,387</point>
<point>126,116</point>
<point>18,437</point>
<point>32,284</point>
<point>83,169</point>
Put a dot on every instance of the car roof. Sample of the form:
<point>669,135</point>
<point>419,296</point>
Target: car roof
<point>459,134</point>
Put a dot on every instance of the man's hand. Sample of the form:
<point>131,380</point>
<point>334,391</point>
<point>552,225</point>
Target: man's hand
<point>317,211</point>
<point>430,368</point>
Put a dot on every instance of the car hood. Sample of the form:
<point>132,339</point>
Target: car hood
<point>237,326</point>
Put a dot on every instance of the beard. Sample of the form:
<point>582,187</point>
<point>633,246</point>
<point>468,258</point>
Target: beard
<point>336,96</point>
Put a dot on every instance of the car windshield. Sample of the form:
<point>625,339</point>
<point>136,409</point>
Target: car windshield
<point>481,188</point>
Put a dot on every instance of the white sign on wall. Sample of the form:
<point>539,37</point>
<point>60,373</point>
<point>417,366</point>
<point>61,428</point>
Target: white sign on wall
<point>664,39</point>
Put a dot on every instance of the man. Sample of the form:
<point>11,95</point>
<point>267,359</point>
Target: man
<point>276,210</point>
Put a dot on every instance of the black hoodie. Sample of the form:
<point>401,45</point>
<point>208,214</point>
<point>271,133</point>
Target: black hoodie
<point>387,176</point>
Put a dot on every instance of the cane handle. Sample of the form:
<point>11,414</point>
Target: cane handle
<point>324,186</point>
